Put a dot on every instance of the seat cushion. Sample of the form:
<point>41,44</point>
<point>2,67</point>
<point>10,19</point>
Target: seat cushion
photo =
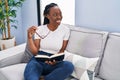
<point>13,72</point>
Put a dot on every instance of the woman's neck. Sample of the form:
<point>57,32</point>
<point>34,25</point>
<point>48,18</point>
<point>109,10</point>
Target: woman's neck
<point>52,27</point>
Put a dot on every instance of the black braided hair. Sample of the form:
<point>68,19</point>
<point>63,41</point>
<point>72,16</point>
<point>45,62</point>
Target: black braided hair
<point>46,11</point>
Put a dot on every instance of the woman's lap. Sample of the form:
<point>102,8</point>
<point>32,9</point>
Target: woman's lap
<point>35,69</point>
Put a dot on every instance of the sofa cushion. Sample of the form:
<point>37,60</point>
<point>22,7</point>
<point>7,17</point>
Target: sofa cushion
<point>13,72</point>
<point>81,65</point>
<point>110,66</point>
<point>87,42</point>
<point>12,55</point>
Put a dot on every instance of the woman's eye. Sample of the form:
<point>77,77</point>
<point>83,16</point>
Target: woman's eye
<point>55,15</point>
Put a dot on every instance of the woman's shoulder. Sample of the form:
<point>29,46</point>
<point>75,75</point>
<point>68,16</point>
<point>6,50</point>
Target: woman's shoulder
<point>65,27</point>
<point>42,26</point>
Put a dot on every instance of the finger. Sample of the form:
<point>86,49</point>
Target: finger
<point>51,63</point>
<point>32,30</point>
<point>54,61</point>
<point>34,27</point>
<point>47,62</point>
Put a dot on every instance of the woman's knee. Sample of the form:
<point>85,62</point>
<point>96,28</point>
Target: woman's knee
<point>68,66</point>
<point>33,70</point>
<point>34,64</point>
<point>33,67</point>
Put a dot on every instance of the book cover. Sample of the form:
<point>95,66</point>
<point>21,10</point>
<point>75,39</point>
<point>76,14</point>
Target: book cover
<point>56,57</point>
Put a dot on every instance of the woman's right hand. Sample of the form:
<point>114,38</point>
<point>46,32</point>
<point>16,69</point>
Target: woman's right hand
<point>51,62</point>
<point>31,31</point>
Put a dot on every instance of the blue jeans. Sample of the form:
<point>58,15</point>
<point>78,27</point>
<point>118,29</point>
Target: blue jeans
<point>59,71</point>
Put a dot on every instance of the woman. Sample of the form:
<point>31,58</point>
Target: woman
<point>50,38</point>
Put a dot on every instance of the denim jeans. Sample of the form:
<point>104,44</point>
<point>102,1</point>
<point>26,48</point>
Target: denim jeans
<point>59,71</point>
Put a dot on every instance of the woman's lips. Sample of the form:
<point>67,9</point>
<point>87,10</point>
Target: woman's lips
<point>58,21</point>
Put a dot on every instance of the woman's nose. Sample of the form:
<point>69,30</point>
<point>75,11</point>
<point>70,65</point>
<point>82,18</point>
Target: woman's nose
<point>59,17</point>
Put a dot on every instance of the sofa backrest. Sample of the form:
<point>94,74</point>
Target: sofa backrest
<point>87,42</point>
<point>110,66</point>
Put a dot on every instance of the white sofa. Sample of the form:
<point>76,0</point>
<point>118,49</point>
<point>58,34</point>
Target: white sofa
<point>83,41</point>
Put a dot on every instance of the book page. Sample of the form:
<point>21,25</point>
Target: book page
<point>56,55</point>
<point>42,56</point>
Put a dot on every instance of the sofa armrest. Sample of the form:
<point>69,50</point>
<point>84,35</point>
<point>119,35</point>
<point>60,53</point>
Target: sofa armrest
<point>12,55</point>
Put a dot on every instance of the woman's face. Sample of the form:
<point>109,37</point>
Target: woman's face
<point>55,15</point>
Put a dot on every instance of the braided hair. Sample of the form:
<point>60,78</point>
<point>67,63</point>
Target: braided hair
<point>46,11</point>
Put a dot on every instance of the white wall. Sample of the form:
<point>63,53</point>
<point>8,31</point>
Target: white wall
<point>98,14</point>
<point>18,33</point>
<point>26,16</point>
<point>29,16</point>
<point>67,7</point>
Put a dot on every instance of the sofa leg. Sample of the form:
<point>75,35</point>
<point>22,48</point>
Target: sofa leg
<point>3,47</point>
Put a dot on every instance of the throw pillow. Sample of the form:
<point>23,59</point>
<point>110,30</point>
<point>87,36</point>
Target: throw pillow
<point>81,65</point>
<point>27,55</point>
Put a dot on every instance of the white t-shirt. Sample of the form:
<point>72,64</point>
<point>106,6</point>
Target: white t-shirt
<point>52,41</point>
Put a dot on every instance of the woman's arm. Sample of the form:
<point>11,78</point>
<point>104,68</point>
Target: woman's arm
<point>34,45</point>
<point>65,42</point>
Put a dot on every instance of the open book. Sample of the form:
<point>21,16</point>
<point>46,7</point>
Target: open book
<point>56,57</point>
